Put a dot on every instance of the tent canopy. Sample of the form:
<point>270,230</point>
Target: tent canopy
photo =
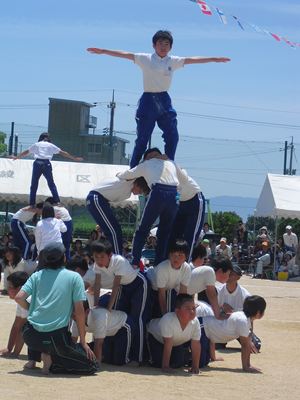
<point>73,180</point>
<point>280,197</point>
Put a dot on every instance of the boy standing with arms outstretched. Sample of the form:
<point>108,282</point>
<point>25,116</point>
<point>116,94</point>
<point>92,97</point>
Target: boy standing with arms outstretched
<point>155,103</point>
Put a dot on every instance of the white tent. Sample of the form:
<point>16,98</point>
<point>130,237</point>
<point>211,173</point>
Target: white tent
<point>73,180</point>
<point>280,197</point>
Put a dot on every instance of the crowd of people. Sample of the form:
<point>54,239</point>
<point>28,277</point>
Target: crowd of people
<point>171,314</point>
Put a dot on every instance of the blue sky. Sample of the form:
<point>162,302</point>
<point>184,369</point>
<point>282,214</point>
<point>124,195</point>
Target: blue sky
<point>43,55</point>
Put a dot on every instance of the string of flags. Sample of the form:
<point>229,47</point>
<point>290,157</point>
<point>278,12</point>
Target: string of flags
<point>207,10</point>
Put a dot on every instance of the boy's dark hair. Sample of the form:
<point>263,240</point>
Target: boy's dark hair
<point>183,298</point>
<point>179,245</point>
<point>50,200</point>
<point>102,246</point>
<point>199,251</point>
<point>164,35</point>
<point>222,263</point>
<point>18,278</point>
<point>44,137</point>
<point>48,211</point>
<point>77,262</point>
<point>17,256</point>
<point>141,182</point>
<point>151,151</point>
<point>254,304</point>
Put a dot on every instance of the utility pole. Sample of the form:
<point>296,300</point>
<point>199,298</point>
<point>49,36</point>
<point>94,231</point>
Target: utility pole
<point>291,156</point>
<point>11,139</point>
<point>112,106</point>
<point>16,145</point>
<point>285,157</point>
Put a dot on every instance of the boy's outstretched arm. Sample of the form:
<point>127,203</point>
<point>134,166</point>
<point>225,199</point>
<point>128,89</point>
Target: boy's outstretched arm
<point>114,53</point>
<point>203,60</point>
<point>245,355</point>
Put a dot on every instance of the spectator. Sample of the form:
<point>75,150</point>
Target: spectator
<point>290,239</point>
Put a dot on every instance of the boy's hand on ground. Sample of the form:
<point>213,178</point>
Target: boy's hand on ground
<point>89,353</point>
<point>5,353</point>
<point>194,370</point>
<point>253,348</point>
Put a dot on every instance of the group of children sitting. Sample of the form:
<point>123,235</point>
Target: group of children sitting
<point>155,316</point>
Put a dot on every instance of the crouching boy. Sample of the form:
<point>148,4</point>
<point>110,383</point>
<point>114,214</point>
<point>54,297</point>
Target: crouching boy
<point>113,333</point>
<point>237,326</point>
<point>169,336</point>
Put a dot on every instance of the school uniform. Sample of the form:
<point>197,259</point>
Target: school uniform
<point>63,214</point>
<point>164,276</point>
<point>116,328</point>
<point>48,230</point>
<point>201,277</point>
<point>133,296</point>
<point>20,234</point>
<point>155,104</point>
<point>43,152</point>
<point>161,177</point>
<point>190,216</point>
<point>98,204</point>
<point>169,327</point>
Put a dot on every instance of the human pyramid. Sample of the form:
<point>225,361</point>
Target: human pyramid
<point>134,315</point>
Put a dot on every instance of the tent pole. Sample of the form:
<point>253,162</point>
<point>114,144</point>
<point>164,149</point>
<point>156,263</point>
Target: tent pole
<point>275,246</point>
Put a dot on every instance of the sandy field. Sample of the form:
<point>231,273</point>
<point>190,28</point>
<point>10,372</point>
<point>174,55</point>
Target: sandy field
<point>279,361</point>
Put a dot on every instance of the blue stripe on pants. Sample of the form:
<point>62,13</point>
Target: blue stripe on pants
<point>101,211</point>
<point>21,238</point>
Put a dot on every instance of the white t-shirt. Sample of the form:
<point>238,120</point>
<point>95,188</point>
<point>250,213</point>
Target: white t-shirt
<point>62,213</point>
<point>157,71</point>
<point>290,240</point>
<point>201,277</point>
<point>170,278</point>
<point>118,265</point>
<point>115,190</point>
<point>154,171</point>
<point>225,252</point>
<point>102,323</point>
<point>43,150</point>
<point>229,329</point>
<point>23,215</point>
<point>48,230</point>
<point>187,188</point>
<point>235,299</point>
<point>203,309</point>
<point>169,327</point>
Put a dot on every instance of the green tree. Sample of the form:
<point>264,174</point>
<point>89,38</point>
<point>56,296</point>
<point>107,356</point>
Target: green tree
<point>3,146</point>
<point>226,223</point>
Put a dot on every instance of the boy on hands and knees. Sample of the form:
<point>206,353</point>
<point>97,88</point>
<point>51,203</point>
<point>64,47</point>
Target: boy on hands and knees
<point>168,336</point>
<point>129,289</point>
<point>170,277</point>
<point>155,104</point>
<point>237,326</point>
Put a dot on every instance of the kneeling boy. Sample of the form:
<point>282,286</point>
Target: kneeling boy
<point>170,335</point>
<point>113,334</point>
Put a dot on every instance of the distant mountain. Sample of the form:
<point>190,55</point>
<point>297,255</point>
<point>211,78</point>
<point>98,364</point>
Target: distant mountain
<point>243,206</point>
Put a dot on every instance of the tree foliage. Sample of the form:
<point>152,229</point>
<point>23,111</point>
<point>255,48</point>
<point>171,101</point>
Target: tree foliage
<point>226,223</point>
<point>3,146</point>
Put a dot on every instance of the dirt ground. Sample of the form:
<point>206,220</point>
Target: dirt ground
<point>279,361</point>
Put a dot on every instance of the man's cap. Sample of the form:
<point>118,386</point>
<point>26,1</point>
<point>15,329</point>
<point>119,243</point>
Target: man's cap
<point>237,269</point>
<point>205,241</point>
<point>223,239</point>
<point>288,227</point>
<point>53,252</point>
